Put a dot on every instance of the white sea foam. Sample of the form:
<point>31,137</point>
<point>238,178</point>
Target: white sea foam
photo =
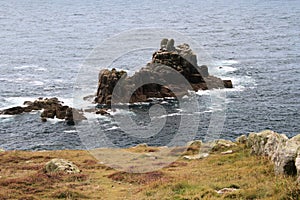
<point>226,69</point>
<point>37,83</point>
<point>226,62</point>
<point>40,69</point>
<point>223,66</point>
<point>6,116</point>
<point>55,120</point>
<point>70,131</point>
<point>122,112</point>
<point>112,128</point>
<point>26,67</point>
<point>16,101</point>
<point>90,116</point>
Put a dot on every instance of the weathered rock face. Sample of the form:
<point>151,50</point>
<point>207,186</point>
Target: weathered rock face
<point>61,165</point>
<point>160,78</point>
<point>282,151</point>
<point>51,108</point>
<point>241,139</point>
<point>265,143</point>
<point>285,158</point>
<point>297,164</point>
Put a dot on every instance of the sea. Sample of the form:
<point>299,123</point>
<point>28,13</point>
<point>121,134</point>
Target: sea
<point>254,43</point>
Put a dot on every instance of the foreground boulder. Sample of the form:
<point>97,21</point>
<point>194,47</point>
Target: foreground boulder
<point>160,78</point>
<point>278,148</point>
<point>61,165</point>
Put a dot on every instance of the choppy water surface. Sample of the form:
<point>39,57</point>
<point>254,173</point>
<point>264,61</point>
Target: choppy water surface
<point>43,44</point>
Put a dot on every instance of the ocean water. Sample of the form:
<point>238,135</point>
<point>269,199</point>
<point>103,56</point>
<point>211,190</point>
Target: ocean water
<point>256,44</point>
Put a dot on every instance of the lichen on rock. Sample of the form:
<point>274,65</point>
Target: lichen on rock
<point>278,148</point>
<point>61,165</point>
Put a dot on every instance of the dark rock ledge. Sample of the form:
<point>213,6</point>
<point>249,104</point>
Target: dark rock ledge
<point>51,107</point>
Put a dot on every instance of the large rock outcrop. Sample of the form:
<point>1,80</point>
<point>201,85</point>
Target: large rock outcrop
<point>278,148</point>
<point>159,78</point>
<point>282,151</point>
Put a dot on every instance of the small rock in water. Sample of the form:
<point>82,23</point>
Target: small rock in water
<point>43,119</point>
<point>102,112</point>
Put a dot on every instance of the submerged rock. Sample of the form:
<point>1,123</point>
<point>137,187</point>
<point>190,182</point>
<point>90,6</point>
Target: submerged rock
<point>102,112</point>
<point>160,78</point>
<point>61,165</point>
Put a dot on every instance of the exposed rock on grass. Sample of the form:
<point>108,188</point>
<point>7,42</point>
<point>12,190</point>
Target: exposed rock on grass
<point>61,165</point>
<point>278,148</point>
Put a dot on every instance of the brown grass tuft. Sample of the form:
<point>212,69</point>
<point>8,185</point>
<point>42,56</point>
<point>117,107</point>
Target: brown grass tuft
<point>142,178</point>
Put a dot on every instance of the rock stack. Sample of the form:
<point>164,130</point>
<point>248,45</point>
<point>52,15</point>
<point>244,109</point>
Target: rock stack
<point>159,78</point>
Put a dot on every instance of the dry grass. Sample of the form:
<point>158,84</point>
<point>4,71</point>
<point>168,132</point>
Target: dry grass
<point>22,177</point>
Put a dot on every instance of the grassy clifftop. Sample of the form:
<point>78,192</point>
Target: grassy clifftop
<point>253,177</point>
